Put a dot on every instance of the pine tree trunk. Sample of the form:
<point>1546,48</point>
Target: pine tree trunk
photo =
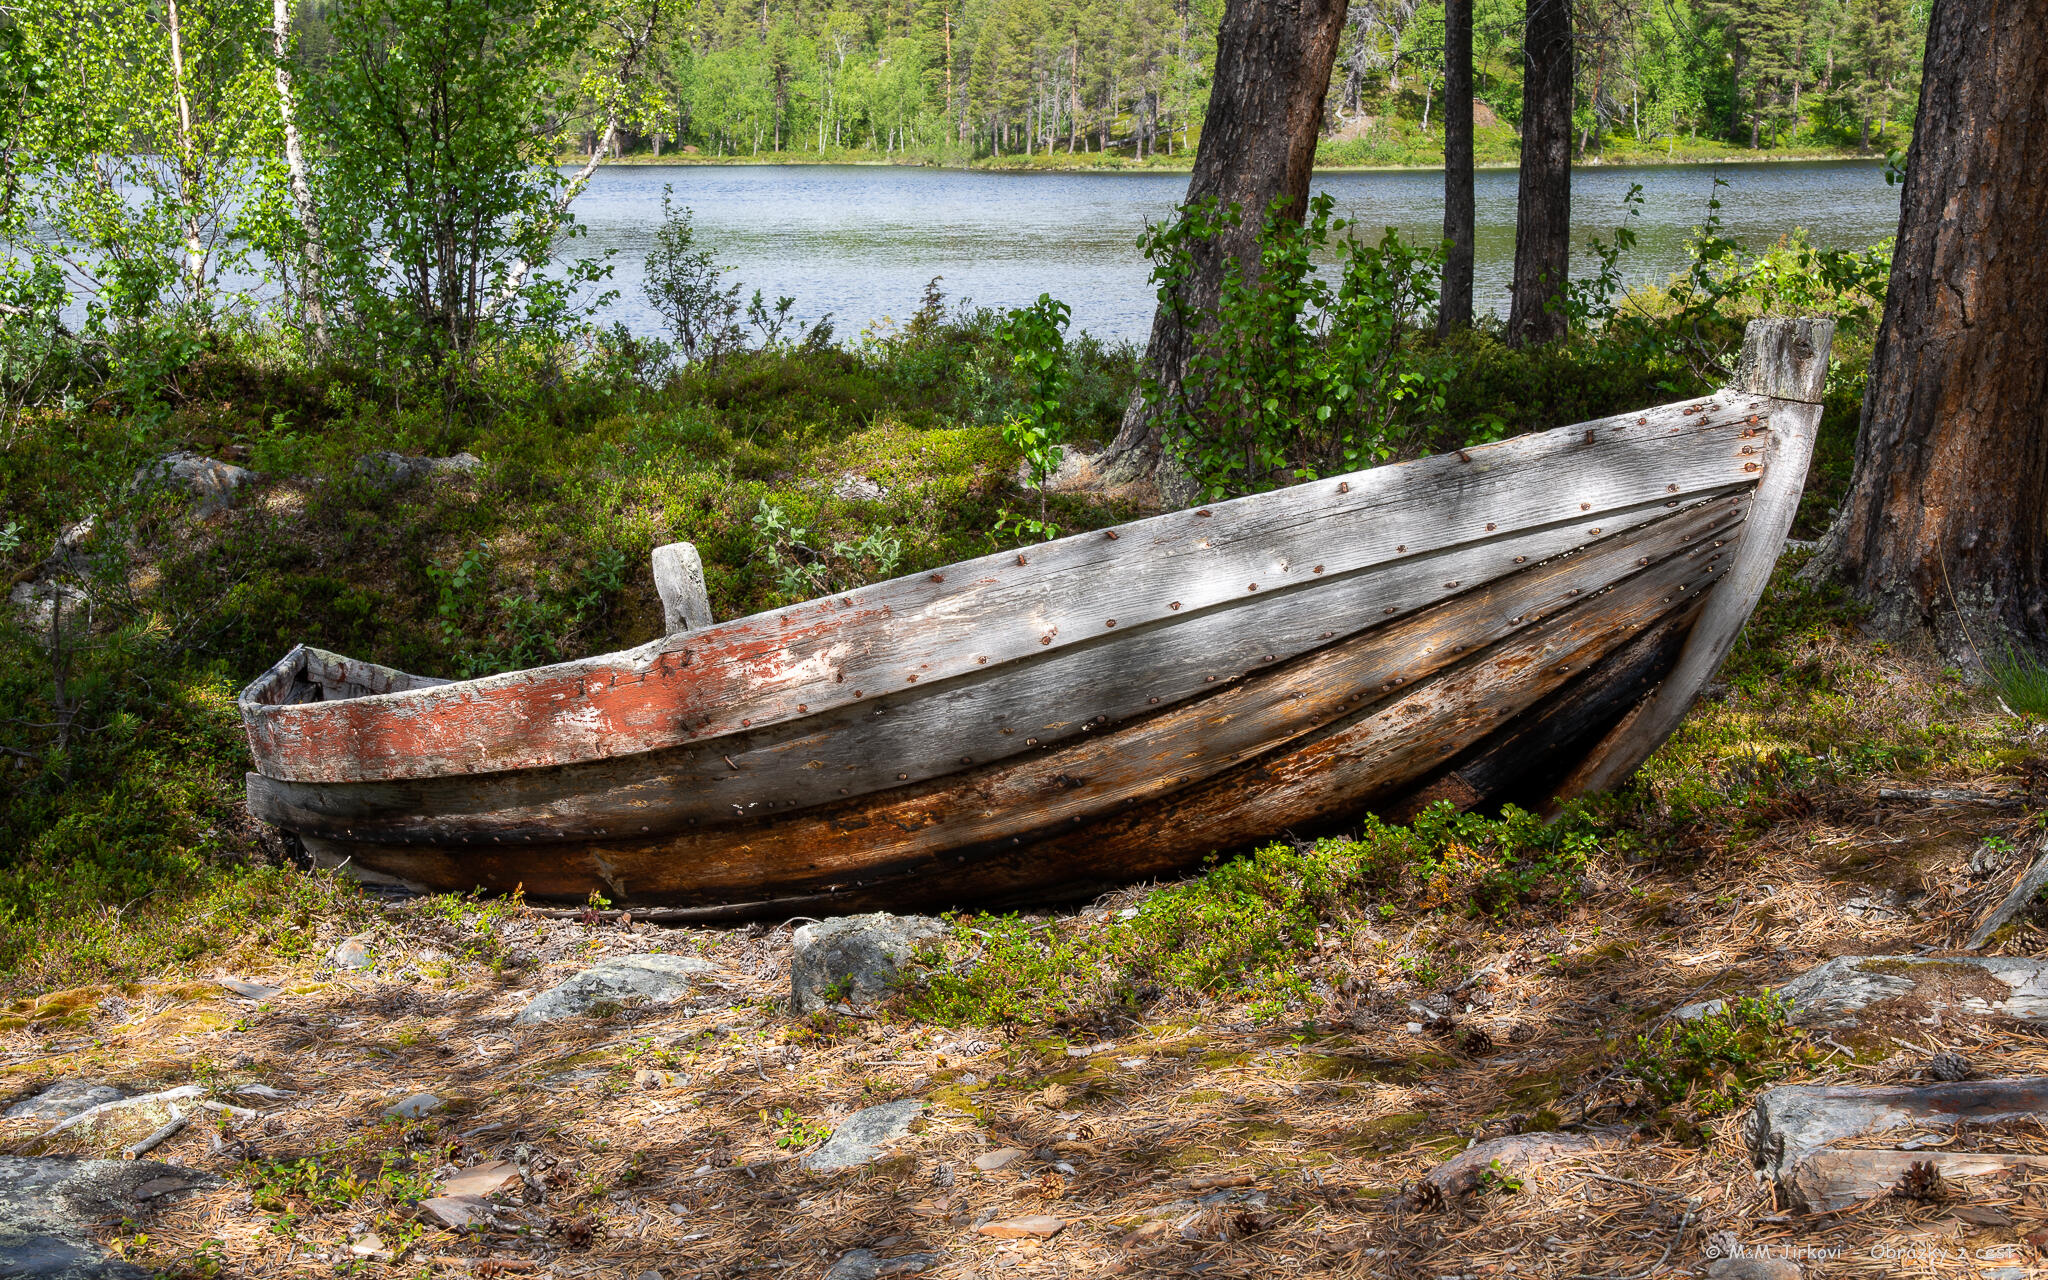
<point>1454,307</point>
<point>1945,527</point>
<point>1273,60</point>
<point>1543,215</point>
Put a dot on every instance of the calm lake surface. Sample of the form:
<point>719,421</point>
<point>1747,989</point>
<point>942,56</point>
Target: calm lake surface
<point>861,241</point>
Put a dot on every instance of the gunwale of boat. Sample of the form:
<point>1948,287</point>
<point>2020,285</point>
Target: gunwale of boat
<point>1012,607</point>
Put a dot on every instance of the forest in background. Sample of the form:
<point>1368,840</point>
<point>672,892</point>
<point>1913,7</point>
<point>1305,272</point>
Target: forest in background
<point>950,80</point>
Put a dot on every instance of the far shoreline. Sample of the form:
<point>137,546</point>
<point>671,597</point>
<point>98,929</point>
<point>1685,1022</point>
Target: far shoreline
<point>789,159</point>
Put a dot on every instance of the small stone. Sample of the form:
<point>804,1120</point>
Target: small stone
<point>1001,1158</point>
<point>1753,1269</point>
<point>861,1138</point>
<point>62,1100</point>
<point>486,1179</point>
<point>1950,1066</point>
<point>649,1078</point>
<point>369,1246</point>
<point>457,1212</point>
<point>654,978</point>
<point>1037,1225</point>
<point>855,1264</point>
<point>352,953</point>
<point>857,958</point>
<point>251,990</point>
<point>413,1106</point>
<point>651,1274</point>
<point>909,1264</point>
<point>857,488</point>
<point>1699,1009</point>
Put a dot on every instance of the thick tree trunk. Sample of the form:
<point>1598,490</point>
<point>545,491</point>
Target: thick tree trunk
<point>1543,215</point>
<point>1273,60</point>
<point>1946,523</point>
<point>1454,307</point>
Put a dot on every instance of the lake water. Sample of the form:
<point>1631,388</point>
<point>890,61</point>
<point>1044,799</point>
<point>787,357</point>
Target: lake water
<point>861,241</point>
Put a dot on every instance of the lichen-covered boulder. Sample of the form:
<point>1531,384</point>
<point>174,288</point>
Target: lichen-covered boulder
<point>649,979</point>
<point>853,959</point>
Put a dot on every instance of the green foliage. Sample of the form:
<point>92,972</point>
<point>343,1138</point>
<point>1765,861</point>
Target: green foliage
<point>684,285</point>
<point>793,1132</point>
<point>1036,337</point>
<point>1244,930</point>
<point>1290,377</point>
<point>351,1174</point>
<point>436,204</point>
<point>1711,1061</point>
<point>2021,679</point>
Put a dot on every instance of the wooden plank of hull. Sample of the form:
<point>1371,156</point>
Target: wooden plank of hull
<point>807,659</point>
<point>1309,744</point>
<point>1524,762</point>
<point>928,733</point>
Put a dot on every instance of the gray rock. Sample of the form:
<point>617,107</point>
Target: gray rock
<point>50,1210</point>
<point>62,1100</point>
<point>38,601</point>
<point>413,1106</point>
<point>853,958</point>
<point>857,488</point>
<point>1832,994</point>
<point>1753,1269</point>
<point>909,1264</point>
<point>210,480</point>
<point>352,953</point>
<point>251,990</point>
<point>1699,1009</point>
<point>855,1264</point>
<point>861,1139</point>
<point>390,470</point>
<point>655,979</point>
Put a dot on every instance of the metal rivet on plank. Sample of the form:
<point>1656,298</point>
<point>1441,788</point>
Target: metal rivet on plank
<point>938,577</point>
<point>1110,623</point>
<point>1203,512</point>
<point>1110,534</point>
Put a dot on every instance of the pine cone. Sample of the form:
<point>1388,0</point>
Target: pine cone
<point>1475,1042</point>
<point>1426,1197</point>
<point>1949,1065</point>
<point>1922,1182</point>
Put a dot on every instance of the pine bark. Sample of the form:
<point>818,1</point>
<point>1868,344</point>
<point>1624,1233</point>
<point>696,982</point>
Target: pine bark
<point>1543,214</point>
<point>1273,61</point>
<point>1454,306</point>
<point>1945,527</point>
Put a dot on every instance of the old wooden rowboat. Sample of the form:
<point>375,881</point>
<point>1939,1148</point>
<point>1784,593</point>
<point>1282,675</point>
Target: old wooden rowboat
<point>1508,623</point>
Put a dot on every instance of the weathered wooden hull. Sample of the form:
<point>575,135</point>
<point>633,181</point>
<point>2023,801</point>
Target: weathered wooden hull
<point>1500,624</point>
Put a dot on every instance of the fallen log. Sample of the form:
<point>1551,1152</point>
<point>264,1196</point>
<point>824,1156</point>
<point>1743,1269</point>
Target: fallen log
<point>1793,1133</point>
<point>1517,1154</point>
<point>1791,1121</point>
<point>1834,1179</point>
